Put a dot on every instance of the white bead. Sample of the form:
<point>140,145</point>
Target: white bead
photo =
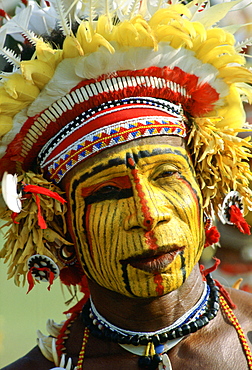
<point>166,362</point>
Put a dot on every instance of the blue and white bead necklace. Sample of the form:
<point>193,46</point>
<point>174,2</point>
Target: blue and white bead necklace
<point>152,346</point>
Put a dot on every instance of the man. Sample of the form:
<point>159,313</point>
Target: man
<point>136,122</point>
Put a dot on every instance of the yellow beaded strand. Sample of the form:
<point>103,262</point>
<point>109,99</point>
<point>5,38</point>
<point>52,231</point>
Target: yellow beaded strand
<point>83,348</point>
<point>232,318</point>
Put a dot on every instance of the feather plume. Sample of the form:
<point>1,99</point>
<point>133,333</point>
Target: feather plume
<point>245,91</point>
<point>10,56</point>
<point>19,22</point>
<point>154,7</point>
<point>89,7</point>
<point>196,7</point>
<point>107,7</point>
<point>134,8</point>
<point>243,45</point>
<point>30,36</point>
<point>233,28</point>
<point>19,25</point>
<point>128,10</point>
<point>70,7</point>
<point>107,10</point>
<point>3,33</point>
<point>212,15</point>
<point>63,22</point>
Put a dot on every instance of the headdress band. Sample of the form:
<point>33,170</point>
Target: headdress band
<point>107,125</point>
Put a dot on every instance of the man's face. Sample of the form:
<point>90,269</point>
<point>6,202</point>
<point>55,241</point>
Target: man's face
<point>136,217</point>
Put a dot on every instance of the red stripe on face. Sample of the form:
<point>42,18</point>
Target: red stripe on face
<point>148,219</point>
<point>158,280</point>
<point>148,222</point>
<point>151,239</point>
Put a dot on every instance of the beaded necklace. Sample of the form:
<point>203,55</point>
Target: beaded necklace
<point>150,349</point>
<point>82,351</point>
<point>194,313</point>
<point>156,342</point>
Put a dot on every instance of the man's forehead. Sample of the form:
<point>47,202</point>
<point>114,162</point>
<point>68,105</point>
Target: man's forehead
<point>143,156</point>
<point>141,146</point>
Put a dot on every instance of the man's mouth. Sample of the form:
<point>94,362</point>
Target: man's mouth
<point>153,262</point>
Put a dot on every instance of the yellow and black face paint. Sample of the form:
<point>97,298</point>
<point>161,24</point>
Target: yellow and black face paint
<point>137,219</point>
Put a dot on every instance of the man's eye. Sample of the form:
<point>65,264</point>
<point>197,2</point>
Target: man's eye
<point>165,174</point>
<point>108,189</point>
<point>108,192</point>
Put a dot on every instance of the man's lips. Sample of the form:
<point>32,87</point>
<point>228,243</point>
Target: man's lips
<point>153,262</point>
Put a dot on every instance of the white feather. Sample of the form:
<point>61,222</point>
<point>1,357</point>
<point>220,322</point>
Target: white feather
<point>243,44</point>
<point>124,9</point>
<point>10,56</point>
<point>153,6</point>
<point>88,10</point>
<point>19,22</point>
<point>62,16</point>
<point>134,8</point>
<point>213,14</point>
<point>196,6</point>
<point>71,71</point>
<point>3,33</point>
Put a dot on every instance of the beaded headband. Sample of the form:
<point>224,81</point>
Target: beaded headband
<point>105,126</point>
<point>170,59</point>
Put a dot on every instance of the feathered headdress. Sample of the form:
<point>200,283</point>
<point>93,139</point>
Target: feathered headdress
<point>91,59</point>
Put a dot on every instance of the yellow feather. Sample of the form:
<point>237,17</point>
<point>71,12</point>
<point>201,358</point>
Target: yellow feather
<point>10,106</point>
<point>84,34</point>
<point>174,35</point>
<point>72,47</point>
<point>5,124</point>
<point>124,33</point>
<point>20,88</point>
<point>200,31</point>
<point>221,35</point>
<point>189,28</point>
<point>164,16</point>
<point>37,72</point>
<point>212,53</point>
<point>104,27</point>
<point>232,110</point>
<point>89,40</point>
<point>224,60</point>
<point>235,74</point>
<point>47,54</point>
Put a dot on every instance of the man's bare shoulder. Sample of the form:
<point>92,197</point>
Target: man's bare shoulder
<point>242,299</point>
<point>32,360</point>
<point>243,310</point>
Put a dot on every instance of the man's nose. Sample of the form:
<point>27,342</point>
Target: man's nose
<point>149,208</point>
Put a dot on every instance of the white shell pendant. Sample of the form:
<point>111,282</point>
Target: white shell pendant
<point>63,365</point>
<point>10,195</point>
<point>165,364</point>
<point>232,198</point>
<point>37,262</point>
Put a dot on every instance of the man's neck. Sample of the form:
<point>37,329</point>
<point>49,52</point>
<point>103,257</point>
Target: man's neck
<point>147,314</point>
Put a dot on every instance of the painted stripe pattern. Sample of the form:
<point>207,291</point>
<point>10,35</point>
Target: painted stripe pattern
<point>132,205</point>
